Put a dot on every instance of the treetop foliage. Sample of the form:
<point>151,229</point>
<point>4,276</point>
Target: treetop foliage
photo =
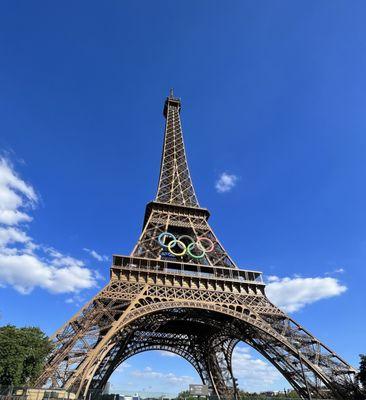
<point>22,354</point>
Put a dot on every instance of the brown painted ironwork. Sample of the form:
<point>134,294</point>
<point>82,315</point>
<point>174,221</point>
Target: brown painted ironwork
<point>198,308</point>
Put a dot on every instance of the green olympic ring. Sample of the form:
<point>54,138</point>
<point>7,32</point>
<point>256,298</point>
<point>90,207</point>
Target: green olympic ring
<point>186,248</point>
<point>190,247</point>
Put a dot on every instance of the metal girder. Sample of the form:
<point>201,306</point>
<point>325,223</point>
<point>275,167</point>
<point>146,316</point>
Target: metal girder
<point>197,307</point>
<point>205,345</point>
<point>175,184</point>
<point>241,322</point>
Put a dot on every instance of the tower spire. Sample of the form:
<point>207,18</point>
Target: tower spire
<point>175,184</point>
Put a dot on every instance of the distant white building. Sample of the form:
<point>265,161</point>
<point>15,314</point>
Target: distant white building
<point>135,397</point>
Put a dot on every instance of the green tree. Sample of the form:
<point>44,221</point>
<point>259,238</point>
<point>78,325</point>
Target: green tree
<point>362,374</point>
<point>22,354</point>
<point>292,394</point>
<point>185,395</point>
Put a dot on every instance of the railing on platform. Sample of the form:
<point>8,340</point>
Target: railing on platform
<point>30,393</point>
<point>189,269</point>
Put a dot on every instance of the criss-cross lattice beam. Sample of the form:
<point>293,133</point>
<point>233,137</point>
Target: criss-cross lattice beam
<point>175,184</point>
<point>196,225</point>
<point>205,345</point>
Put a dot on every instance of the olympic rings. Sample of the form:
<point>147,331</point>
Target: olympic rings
<point>202,243</point>
<point>200,239</point>
<point>186,237</point>
<point>180,244</point>
<point>190,247</point>
<point>161,237</point>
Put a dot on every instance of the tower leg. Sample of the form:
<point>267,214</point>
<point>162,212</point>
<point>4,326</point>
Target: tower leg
<point>213,356</point>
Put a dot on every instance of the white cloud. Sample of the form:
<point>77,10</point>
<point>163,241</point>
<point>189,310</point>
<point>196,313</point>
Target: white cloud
<point>225,182</point>
<point>76,299</point>
<point>163,378</point>
<point>336,271</point>
<point>122,367</point>
<point>253,374</point>
<point>16,196</point>
<point>273,278</point>
<point>25,265</point>
<point>164,353</point>
<point>96,255</point>
<point>10,235</point>
<point>292,294</point>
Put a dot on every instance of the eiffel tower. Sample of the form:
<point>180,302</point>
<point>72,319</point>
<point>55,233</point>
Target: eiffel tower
<point>180,291</point>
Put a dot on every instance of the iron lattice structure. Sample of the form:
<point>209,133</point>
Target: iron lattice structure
<point>198,304</point>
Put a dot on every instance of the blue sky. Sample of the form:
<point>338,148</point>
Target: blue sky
<point>273,97</point>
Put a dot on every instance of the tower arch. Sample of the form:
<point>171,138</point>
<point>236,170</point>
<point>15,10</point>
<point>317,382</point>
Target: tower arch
<point>227,325</point>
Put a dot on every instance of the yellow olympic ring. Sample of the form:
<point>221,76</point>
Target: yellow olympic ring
<point>180,244</point>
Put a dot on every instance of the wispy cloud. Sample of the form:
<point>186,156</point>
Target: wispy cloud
<point>164,378</point>
<point>336,271</point>
<point>225,182</point>
<point>164,353</point>
<point>292,294</point>
<point>122,367</point>
<point>96,255</point>
<point>253,373</point>
<point>76,299</point>
<point>16,196</point>
<point>25,264</point>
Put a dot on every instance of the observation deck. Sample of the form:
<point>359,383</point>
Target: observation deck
<point>123,264</point>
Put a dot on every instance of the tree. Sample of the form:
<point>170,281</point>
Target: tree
<point>362,374</point>
<point>186,395</point>
<point>22,354</point>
